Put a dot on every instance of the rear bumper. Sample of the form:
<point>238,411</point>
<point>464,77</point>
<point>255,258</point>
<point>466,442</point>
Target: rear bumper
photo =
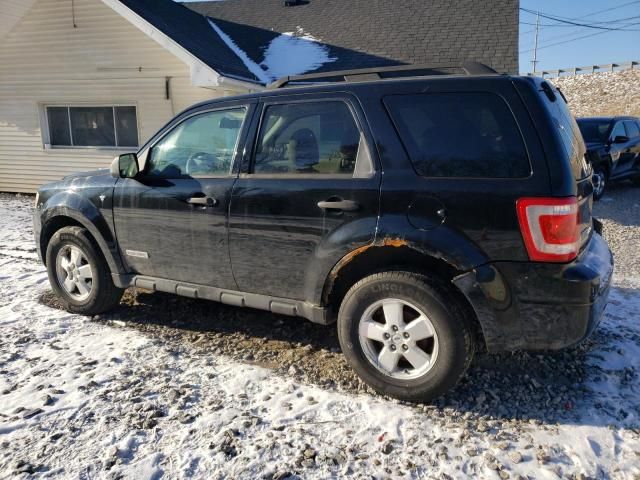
<point>535,306</point>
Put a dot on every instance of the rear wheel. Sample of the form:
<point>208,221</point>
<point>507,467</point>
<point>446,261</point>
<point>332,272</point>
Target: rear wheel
<point>405,335</point>
<point>78,273</point>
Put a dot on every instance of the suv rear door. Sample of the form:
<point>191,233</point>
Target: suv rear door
<point>474,153</point>
<point>308,194</point>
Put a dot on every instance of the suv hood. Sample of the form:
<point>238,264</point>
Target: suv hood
<point>101,172</point>
<point>95,178</point>
<point>595,145</point>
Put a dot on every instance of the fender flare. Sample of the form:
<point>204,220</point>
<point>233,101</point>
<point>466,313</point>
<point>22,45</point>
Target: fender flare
<point>81,210</point>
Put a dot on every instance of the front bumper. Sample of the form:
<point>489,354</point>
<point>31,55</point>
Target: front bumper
<point>536,306</point>
<point>37,228</point>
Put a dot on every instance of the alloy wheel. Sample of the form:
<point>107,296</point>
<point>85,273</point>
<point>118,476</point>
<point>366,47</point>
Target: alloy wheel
<point>74,272</point>
<point>398,339</point>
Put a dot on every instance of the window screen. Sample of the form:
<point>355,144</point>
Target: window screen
<point>308,138</point>
<point>93,126</point>
<point>460,135</point>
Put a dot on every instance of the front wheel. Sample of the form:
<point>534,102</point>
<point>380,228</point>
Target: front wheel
<point>600,178</point>
<point>405,335</point>
<point>79,274</point>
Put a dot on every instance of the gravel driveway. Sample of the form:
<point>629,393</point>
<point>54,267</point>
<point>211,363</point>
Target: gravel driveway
<point>184,388</point>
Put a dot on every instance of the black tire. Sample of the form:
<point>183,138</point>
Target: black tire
<point>104,295</point>
<point>454,335</point>
<point>604,178</point>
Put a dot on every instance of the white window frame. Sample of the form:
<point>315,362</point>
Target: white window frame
<point>46,136</point>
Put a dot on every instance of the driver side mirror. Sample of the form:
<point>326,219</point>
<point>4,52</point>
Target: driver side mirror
<point>621,139</point>
<point>125,166</point>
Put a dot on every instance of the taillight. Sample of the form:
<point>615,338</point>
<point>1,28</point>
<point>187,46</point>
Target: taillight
<point>550,228</point>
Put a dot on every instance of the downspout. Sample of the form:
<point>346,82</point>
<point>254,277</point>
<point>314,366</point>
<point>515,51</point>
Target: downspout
<point>168,95</point>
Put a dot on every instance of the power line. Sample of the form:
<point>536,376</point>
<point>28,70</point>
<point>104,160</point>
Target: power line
<point>571,40</point>
<point>576,24</point>
<point>610,9</point>
<point>600,11</point>
<point>597,12</point>
<point>578,31</point>
<point>572,25</point>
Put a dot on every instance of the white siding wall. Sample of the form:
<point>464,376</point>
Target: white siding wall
<point>45,60</point>
<point>11,11</point>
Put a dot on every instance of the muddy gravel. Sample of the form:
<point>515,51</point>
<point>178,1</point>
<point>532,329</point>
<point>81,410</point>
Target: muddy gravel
<point>571,414</point>
<point>311,353</point>
<point>619,211</point>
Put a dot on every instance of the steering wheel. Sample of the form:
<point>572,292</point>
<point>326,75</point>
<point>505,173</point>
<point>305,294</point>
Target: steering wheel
<point>201,162</point>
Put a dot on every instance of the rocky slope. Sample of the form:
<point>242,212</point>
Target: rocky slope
<point>610,93</point>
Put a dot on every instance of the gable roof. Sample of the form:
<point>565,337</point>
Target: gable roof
<point>259,40</point>
<point>371,33</point>
<point>193,32</point>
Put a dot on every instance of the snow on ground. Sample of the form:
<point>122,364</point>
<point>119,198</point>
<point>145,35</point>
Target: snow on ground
<point>89,398</point>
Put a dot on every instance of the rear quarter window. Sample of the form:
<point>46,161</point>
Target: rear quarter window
<point>568,131</point>
<point>470,134</point>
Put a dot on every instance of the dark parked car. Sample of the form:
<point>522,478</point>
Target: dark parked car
<point>429,215</point>
<point>613,146</point>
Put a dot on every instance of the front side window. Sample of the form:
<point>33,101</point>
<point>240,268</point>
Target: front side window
<point>92,126</point>
<point>632,129</point>
<point>202,145</point>
<point>308,138</point>
<point>460,135</point>
<point>618,131</point>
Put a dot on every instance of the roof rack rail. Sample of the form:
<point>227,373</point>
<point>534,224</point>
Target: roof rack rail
<point>377,73</point>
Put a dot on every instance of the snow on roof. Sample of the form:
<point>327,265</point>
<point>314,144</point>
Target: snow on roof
<point>291,53</point>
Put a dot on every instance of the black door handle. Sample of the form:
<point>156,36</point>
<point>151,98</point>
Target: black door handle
<point>204,201</point>
<point>347,205</point>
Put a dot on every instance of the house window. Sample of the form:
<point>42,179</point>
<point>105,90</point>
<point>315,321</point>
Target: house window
<point>92,126</point>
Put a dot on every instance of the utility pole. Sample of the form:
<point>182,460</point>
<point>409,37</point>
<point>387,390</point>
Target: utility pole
<point>535,45</point>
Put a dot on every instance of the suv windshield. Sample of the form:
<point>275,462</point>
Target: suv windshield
<point>594,130</point>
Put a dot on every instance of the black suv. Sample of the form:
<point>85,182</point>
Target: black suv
<point>429,215</point>
<point>613,147</point>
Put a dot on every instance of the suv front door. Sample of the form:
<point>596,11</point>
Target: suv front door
<point>309,194</point>
<point>630,150</point>
<point>171,220</point>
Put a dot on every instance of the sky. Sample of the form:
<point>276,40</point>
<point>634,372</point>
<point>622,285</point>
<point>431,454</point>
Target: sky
<point>609,47</point>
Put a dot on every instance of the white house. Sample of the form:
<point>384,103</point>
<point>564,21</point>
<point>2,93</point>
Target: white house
<point>84,80</point>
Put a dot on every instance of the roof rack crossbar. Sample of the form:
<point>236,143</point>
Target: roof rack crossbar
<point>366,74</point>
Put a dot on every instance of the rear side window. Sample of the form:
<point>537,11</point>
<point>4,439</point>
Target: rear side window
<point>309,138</point>
<point>460,135</point>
